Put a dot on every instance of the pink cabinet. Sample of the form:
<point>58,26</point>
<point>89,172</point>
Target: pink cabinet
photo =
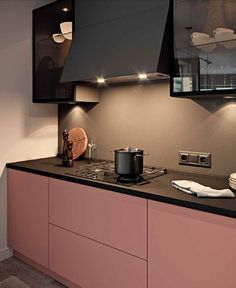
<point>111,218</point>
<point>93,265</point>
<point>190,249</point>
<point>28,215</point>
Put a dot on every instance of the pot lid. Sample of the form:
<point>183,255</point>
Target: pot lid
<point>129,149</point>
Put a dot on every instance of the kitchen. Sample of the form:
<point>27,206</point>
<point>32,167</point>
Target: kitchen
<point>143,116</point>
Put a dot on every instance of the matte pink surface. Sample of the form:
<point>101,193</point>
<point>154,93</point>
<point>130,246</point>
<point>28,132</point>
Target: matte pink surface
<point>190,249</point>
<point>28,215</point>
<point>108,217</point>
<point>93,265</point>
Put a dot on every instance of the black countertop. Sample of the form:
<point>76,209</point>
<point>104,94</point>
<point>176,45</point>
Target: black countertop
<point>158,189</point>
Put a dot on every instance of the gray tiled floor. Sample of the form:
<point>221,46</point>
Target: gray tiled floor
<point>25,273</point>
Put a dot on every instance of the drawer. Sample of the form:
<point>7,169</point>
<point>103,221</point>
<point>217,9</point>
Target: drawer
<point>111,218</point>
<point>189,248</point>
<point>92,265</point>
<point>28,215</point>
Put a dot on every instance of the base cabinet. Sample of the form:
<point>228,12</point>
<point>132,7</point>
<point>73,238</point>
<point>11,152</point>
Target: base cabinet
<point>90,264</point>
<point>80,234</point>
<point>114,219</point>
<point>188,248</point>
<point>28,215</point>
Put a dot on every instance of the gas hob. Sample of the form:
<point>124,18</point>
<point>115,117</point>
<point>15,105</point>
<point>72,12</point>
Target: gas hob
<point>105,172</point>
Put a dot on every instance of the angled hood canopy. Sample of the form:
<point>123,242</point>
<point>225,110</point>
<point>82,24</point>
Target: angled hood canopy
<point>117,40</point>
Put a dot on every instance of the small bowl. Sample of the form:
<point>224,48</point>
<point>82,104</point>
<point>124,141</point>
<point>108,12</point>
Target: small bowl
<point>232,186</point>
<point>232,176</point>
<point>66,29</point>
<point>232,182</point>
<point>199,35</point>
<point>199,41</point>
<point>222,34</point>
<point>58,37</point>
<point>223,30</point>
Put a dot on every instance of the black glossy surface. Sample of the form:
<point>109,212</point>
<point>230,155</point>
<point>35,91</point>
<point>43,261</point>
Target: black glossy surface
<point>158,189</point>
<point>128,163</point>
<point>117,38</point>
<point>200,69</point>
<point>49,56</point>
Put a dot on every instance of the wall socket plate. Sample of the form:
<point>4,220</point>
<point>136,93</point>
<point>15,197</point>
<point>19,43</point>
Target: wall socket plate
<point>201,159</point>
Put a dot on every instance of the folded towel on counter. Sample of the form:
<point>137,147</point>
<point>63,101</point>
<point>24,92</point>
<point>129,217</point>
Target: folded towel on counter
<point>195,188</point>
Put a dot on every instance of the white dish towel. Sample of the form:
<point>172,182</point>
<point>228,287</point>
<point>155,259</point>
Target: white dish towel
<point>192,187</point>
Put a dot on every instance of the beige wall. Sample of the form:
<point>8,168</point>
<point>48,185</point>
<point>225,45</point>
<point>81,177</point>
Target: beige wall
<point>27,130</point>
<point>147,117</point>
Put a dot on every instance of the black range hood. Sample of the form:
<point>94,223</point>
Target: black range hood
<point>118,40</point>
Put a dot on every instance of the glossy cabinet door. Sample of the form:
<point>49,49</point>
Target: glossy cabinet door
<point>115,219</point>
<point>204,46</point>
<point>188,248</point>
<point>28,215</point>
<point>50,49</point>
<point>93,265</point>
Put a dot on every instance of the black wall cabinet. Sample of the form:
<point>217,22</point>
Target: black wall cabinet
<point>50,51</point>
<point>204,48</point>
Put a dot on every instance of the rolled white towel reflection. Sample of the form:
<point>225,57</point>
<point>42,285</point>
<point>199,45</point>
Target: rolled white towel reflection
<point>195,188</point>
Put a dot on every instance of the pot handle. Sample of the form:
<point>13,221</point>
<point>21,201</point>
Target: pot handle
<point>140,155</point>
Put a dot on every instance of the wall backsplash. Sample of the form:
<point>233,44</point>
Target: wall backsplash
<point>145,116</point>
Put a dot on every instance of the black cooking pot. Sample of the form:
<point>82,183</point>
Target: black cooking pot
<point>129,161</point>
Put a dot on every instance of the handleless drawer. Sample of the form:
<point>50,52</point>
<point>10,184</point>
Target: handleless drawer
<point>90,264</point>
<point>189,248</point>
<point>114,219</point>
<point>28,215</point>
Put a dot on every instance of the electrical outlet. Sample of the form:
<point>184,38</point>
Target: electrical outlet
<point>183,157</point>
<point>200,159</point>
<point>205,159</point>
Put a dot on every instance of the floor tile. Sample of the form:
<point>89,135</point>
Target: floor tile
<point>27,274</point>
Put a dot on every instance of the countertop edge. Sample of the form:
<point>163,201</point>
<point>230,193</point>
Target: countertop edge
<point>128,191</point>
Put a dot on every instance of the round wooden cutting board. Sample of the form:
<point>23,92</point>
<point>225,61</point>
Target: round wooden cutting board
<point>80,141</point>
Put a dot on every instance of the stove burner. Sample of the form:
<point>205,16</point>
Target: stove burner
<point>105,172</point>
<point>93,171</point>
<point>127,179</point>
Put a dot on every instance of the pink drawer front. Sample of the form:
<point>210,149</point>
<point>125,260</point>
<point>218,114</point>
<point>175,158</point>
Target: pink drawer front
<point>93,265</point>
<point>111,218</point>
<point>28,215</point>
<point>190,249</point>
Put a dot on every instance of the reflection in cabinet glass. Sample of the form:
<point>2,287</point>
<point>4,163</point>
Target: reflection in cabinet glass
<point>204,47</point>
<point>51,44</point>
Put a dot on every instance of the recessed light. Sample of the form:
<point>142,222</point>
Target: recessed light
<point>142,76</point>
<point>65,9</point>
<point>100,80</point>
<point>229,97</point>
